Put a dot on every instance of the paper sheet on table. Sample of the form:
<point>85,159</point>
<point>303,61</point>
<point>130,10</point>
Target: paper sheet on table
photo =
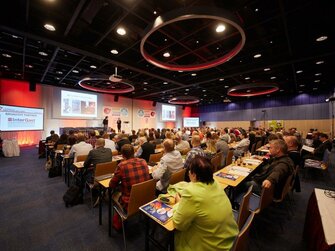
<point>252,161</point>
<point>238,170</point>
<point>308,148</point>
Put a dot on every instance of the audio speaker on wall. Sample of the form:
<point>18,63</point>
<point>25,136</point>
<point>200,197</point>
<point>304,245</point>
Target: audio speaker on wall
<point>154,103</point>
<point>116,98</point>
<point>32,86</point>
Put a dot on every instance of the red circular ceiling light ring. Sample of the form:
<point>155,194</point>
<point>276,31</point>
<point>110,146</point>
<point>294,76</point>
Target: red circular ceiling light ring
<point>250,90</point>
<point>219,15</point>
<point>184,100</point>
<point>101,84</point>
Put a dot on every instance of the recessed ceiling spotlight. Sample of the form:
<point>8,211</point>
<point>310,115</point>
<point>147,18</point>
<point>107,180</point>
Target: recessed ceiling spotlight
<point>220,28</point>
<point>273,77</point>
<point>247,78</point>
<point>315,88</point>
<point>180,71</point>
<point>268,95</point>
<point>256,10</point>
<point>322,38</point>
<point>248,91</point>
<point>226,86</point>
<point>317,80</point>
<point>165,83</point>
<point>221,79</point>
<point>49,27</point>
<point>13,36</point>
<point>115,52</point>
<point>145,83</point>
<point>145,89</point>
<point>42,53</point>
<point>218,48</point>
<point>281,90</point>
<point>29,66</point>
<point>318,74</point>
<point>93,66</point>
<point>155,12</point>
<point>302,85</point>
<point>187,90</point>
<point>205,95</point>
<point>6,55</point>
<point>165,40</point>
<point>121,31</point>
<point>193,74</point>
<point>320,62</point>
<point>197,41</point>
<point>267,69</point>
<point>299,71</point>
<point>133,92</point>
<point>257,55</point>
<point>57,78</point>
<point>59,72</point>
<point>271,42</point>
<point>204,90</point>
<point>241,61</point>
<point>75,71</point>
<point>166,54</point>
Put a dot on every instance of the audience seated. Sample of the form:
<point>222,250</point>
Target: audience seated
<point>292,150</point>
<point>203,217</point>
<point>242,146</point>
<point>195,151</point>
<point>180,143</point>
<point>145,149</point>
<point>81,148</point>
<point>109,143</point>
<point>170,163</point>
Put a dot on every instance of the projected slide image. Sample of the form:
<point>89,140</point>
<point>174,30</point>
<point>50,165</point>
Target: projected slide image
<point>16,118</point>
<point>168,113</point>
<point>75,104</point>
<point>191,122</point>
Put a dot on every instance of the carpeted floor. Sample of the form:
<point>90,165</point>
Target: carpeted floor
<point>33,215</point>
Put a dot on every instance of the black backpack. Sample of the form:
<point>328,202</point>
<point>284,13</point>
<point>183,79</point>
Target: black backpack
<point>73,196</point>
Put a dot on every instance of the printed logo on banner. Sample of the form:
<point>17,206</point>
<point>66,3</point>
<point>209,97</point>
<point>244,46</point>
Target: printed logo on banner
<point>152,114</point>
<point>107,110</point>
<point>116,112</point>
<point>124,112</point>
<point>140,113</point>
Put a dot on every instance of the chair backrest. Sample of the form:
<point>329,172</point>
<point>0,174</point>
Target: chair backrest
<point>140,194</point>
<point>253,148</point>
<point>229,159</point>
<point>81,157</point>
<point>286,188</point>
<point>242,239</point>
<point>216,162</point>
<point>115,152</point>
<point>325,159</point>
<point>244,211</point>
<point>105,168</point>
<point>266,198</point>
<point>177,176</point>
<point>155,157</point>
<point>185,151</point>
<point>159,146</point>
<point>60,147</point>
<point>258,144</point>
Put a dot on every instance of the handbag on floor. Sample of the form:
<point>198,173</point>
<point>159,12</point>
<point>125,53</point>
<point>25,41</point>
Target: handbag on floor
<point>73,196</point>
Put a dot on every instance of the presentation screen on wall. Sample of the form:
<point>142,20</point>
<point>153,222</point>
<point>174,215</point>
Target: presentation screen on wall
<point>17,118</point>
<point>191,122</point>
<point>168,113</point>
<point>76,104</point>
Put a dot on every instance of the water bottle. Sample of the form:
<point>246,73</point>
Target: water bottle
<point>233,160</point>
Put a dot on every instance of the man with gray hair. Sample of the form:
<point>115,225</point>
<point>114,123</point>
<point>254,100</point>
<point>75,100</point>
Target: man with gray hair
<point>275,171</point>
<point>195,151</point>
<point>180,143</point>
<point>145,149</point>
<point>170,163</point>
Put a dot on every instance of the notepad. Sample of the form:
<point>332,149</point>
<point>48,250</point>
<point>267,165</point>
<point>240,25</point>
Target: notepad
<point>158,210</point>
<point>238,170</point>
<point>227,176</point>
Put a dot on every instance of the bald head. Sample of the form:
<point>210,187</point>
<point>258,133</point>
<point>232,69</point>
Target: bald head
<point>168,145</point>
<point>292,142</point>
<point>100,143</point>
<point>196,140</point>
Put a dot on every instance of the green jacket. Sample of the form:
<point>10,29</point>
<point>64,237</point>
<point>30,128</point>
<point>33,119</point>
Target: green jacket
<point>203,219</point>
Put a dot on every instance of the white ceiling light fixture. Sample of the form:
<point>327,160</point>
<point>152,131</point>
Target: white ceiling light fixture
<point>319,62</point>
<point>273,77</point>
<point>121,31</point>
<point>49,27</point>
<point>322,38</point>
<point>318,74</point>
<point>221,79</point>
<point>6,55</point>
<point>166,54</point>
<point>114,51</point>
<point>193,74</point>
<point>59,72</point>
<point>317,80</point>
<point>93,66</point>
<point>155,12</point>
<point>267,69</point>
<point>29,66</point>
<point>247,78</point>
<point>257,55</point>
<point>220,28</point>
<point>145,83</point>
<point>42,53</point>
<point>299,71</point>
<point>165,83</point>
<point>75,71</point>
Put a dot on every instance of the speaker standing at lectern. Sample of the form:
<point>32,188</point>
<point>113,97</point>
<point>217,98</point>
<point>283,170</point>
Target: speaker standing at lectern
<point>105,123</point>
<point>118,123</point>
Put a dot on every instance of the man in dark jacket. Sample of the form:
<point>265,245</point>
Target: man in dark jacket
<point>275,171</point>
<point>145,149</point>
